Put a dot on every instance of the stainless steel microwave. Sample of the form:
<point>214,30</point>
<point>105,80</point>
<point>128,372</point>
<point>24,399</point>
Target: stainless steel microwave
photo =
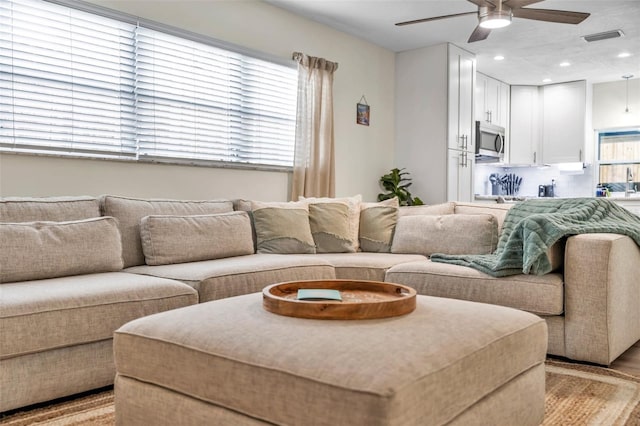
<point>489,143</point>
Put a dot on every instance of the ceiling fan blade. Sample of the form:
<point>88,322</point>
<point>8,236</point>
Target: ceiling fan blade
<point>549,15</point>
<point>479,34</point>
<point>515,4</point>
<point>487,3</point>
<point>435,18</point>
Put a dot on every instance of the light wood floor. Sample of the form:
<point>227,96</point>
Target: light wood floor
<point>629,362</point>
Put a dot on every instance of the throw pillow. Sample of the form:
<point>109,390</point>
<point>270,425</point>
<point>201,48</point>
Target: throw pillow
<point>335,223</point>
<point>377,225</point>
<point>179,239</point>
<point>39,250</point>
<point>282,228</point>
<point>448,234</point>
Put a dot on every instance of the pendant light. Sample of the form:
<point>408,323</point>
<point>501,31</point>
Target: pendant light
<point>627,77</point>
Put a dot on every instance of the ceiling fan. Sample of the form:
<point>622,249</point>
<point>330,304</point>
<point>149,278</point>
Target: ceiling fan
<point>498,13</point>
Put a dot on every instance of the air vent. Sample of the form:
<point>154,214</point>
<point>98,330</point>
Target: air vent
<point>603,36</point>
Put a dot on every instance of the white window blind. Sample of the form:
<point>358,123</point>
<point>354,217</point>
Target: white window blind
<point>67,81</point>
<point>77,83</point>
<point>202,102</point>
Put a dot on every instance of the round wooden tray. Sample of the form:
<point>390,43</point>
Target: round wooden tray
<point>360,300</point>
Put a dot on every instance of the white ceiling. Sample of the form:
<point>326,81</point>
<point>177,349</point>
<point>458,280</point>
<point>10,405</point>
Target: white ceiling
<point>533,50</point>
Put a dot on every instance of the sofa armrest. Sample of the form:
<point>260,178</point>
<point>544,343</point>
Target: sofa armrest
<point>602,296</point>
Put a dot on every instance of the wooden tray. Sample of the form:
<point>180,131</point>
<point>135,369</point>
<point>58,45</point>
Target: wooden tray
<point>360,300</point>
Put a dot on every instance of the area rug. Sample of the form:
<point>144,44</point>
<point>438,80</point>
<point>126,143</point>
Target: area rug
<point>576,394</point>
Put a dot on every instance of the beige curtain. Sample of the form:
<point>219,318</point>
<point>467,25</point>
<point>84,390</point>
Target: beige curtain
<point>313,165</point>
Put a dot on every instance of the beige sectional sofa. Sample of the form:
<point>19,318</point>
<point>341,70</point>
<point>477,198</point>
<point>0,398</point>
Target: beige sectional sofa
<point>75,269</point>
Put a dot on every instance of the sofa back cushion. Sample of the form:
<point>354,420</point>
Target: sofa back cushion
<point>54,209</point>
<point>179,239</point>
<point>130,211</point>
<point>282,228</point>
<point>448,234</point>
<point>444,208</point>
<point>499,211</point>
<point>39,250</point>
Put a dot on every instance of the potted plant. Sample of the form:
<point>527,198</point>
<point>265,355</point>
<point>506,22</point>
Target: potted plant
<point>396,183</point>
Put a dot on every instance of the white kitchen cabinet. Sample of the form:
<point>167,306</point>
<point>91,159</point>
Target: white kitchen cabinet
<point>435,122</point>
<point>459,174</point>
<point>547,124</point>
<point>564,113</point>
<point>492,100</point>
<point>524,140</point>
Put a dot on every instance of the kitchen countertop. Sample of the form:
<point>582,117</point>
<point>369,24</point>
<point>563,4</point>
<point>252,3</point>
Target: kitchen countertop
<point>513,198</point>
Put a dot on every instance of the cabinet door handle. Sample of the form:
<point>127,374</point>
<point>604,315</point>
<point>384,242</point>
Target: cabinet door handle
<point>534,157</point>
<point>462,141</point>
<point>580,157</point>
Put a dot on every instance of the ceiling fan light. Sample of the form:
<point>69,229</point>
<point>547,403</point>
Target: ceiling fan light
<point>495,19</point>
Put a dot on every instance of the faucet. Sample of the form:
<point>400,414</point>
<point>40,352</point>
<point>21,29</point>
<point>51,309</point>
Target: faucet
<point>628,191</point>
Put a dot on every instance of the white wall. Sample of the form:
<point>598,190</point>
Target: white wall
<point>609,101</point>
<point>363,153</point>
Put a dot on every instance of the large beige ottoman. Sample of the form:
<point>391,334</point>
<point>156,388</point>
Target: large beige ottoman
<point>230,362</point>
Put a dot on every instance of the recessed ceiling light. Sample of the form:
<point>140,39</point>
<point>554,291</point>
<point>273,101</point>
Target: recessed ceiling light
<point>498,57</point>
<point>624,55</point>
<point>564,64</point>
<point>546,80</point>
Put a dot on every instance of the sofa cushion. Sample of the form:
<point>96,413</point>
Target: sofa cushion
<point>129,212</point>
<point>365,266</point>
<point>178,239</point>
<point>497,210</point>
<point>377,225</point>
<point>282,228</point>
<point>233,276</point>
<point>53,209</point>
<point>448,234</point>
<point>38,250</point>
<point>437,209</point>
<point>40,315</point>
<point>538,294</point>
<point>335,223</point>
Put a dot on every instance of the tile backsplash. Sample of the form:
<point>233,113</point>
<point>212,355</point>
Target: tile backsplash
<point>568,184</point>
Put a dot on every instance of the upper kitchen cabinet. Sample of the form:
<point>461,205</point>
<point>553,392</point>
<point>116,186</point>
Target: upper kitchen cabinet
<point>548,123</point>
<point>524,140</point>
<point>564,114</point>
<point>492,101</point>
<point>434,121</point>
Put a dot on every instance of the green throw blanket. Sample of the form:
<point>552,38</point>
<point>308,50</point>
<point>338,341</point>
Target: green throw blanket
<point>532,226</point>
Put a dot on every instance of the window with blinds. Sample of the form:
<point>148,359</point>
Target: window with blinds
<point>81,84</point>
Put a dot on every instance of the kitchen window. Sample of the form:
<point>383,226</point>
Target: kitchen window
<point>100,84</point>
<point>618,153</point>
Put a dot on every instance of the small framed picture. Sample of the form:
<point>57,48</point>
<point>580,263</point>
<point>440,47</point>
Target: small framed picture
<point>362,115</point>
